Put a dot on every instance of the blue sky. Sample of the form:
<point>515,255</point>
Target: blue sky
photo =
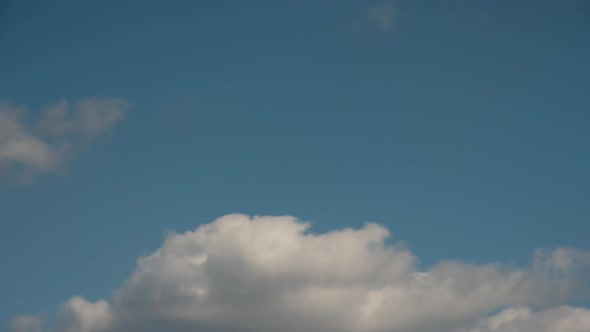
<point>460,126</point>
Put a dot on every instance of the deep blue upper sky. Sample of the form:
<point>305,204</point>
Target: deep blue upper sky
<point>463,127</point>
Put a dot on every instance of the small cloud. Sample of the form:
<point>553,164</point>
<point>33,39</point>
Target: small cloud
<point>43,145</point>
<point>383,15</point>
<point>26,323</point>
<point>80,315</point>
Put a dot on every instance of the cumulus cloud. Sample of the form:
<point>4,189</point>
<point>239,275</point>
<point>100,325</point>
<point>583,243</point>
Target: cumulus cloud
<point>383,15</point>
<point>32,146</point>
<point>268,274</point>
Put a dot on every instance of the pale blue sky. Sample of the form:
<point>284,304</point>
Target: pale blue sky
<point>462,126</point>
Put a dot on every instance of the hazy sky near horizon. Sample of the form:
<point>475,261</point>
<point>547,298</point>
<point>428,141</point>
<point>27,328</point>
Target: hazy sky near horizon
<point>460,127</point>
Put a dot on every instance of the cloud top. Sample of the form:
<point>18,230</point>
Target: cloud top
<point>242,273</point>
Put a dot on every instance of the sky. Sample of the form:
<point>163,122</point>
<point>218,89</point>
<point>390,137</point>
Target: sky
<point>356,166</point>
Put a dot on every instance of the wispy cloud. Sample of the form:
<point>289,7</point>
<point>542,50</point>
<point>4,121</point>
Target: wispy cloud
<point>561,319</point>
<point>382,15</point>
<point>272,274</point>
<point>26,323</point>
<point>29,147</point>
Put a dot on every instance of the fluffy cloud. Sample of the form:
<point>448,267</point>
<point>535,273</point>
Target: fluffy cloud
<point>268,274</point>
<point>44,144</point>
<point>79,315</point>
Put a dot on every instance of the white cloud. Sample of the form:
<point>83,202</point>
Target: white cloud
<point>26,323</point>
<point>268,274</point>
<point>383,15</point>
<point>43,145</point>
